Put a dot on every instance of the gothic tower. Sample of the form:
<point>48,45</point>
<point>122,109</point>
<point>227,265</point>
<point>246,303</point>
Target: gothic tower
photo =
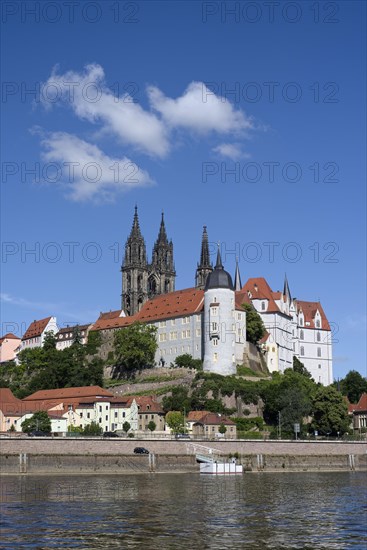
<point>204,267</point>
<point>134,271</point>
<point>162,274</point>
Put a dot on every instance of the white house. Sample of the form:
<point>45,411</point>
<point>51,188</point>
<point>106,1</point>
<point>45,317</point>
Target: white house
<point>35,333</point>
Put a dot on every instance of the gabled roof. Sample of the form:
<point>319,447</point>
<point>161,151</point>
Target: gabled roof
<point>146,404</point>
<point>309,311</point>
<point>196,416</point>
<point>260,290</point>
<point>64,393</point>
<point>9,336</point>
<point>361,406</point>
<point>36,328</point>
<point>214,419</point>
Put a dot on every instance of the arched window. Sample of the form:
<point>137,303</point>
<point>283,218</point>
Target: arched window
<point>302,351</point>
<point>317,323</point>
<point>302,335</point>
<point>318,352</point>
<point>318,336</point>
<point>301,321</point>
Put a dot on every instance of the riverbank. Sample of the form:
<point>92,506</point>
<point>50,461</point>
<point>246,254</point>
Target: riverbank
<point>76,456</point>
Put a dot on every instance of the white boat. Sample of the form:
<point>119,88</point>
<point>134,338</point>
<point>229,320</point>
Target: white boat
<point>220,468</point>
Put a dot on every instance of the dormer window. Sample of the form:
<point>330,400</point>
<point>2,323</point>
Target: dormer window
<point>302,335</point>
<point>262,306</point>
<point>301,321</point>
<point>318,324</point>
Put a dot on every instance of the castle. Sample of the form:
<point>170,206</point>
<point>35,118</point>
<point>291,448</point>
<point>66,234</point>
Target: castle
<point>208,321</point>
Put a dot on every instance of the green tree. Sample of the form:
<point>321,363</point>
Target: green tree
<point>353,385</point>
<point>152,426</point>
<point>178,401</point>
<point>222,429</point>
<point>255,328</point>
<point>92,429</point>
<point>175,421</point>
<point>135,348</point>
<point>39,421</point>
<point>290,396</point>
<point>186,360</point>
<point>77,337</point>
<point>330,412</point>
<point>299,367</point>
<point>126,426</point>
<point>49,342</point>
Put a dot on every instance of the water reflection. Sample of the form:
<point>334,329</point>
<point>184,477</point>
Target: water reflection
<point>296,510</point>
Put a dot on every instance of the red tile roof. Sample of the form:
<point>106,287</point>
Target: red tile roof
<point>214,419</point>
<point>196,416</point>
<point>110,314</point>
<point>146,404</point>
<point>165,306</point>
<point>65,393</point>
<point>260,290</point>
<point>309,311</point>
<point>361,406</point>
<point>36,328</point>
<point>9,336</point>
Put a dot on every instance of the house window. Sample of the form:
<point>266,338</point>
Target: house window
<point>239,316</point>
<point>317,323</point>
<point>318,336</point>
<point>146,417</point>
<point>88,415</point>
<point>152,416</point>
<point>123,414</point>
<point>302,351</point>
<point>173,322</point>
<point>107,417</point>
<point>214,311</point>
<point>116,414</point>
<point>319,366</point>
<point>302,335</point>
<point>100,420</point>
<point>318,352</point>
<point>301,322</point>
<point>81,415</point>
<point>215,341</point>
<point>262,306</point>
<point>215,357</point>
<point>100,408</point>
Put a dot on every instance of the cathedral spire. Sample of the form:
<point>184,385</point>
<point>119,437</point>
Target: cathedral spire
<point>135,230</point>
<point>286,290</point>
<point>162,236</point>
<point>205,266</point>
<point>237,277</point>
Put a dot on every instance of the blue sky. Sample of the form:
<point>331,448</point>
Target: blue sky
<point>252,123</point>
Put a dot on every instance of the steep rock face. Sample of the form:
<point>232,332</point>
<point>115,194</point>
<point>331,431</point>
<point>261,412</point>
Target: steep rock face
<point>254,359</point>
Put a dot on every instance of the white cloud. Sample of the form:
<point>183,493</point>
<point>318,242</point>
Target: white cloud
<point>200,110</point>
<point>231,150</point>
<point>85,171</point>
<point>87,94</point>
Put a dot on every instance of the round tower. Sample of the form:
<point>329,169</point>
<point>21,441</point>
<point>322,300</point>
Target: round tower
<point>219,307</point>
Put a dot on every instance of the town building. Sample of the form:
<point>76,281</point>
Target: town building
<point>35,333</point>
<point>358,414</point>
<point>66,335</point>
<point>211,425</point>
<point>9,343</point>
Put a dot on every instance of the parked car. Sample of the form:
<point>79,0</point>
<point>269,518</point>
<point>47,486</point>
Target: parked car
<point>110,434</point>
<point>141,451</point>
<point>39,433</point>
<point>183,436</point>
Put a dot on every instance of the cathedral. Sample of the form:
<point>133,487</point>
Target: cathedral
<point>142,280</point>
<point>208,320</point>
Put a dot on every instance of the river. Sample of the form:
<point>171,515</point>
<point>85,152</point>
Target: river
<point>174,511</point>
